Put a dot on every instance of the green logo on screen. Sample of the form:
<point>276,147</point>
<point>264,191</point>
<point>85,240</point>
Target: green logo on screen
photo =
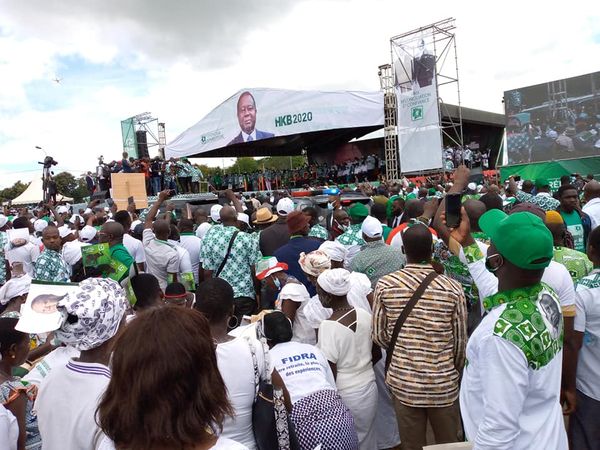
<point>416,113</point>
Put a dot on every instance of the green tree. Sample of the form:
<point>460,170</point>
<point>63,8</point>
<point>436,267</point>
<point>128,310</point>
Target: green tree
<point>12,192</point>
<point>69,186</point>
<point>282,162</point>
<point>244,165</point>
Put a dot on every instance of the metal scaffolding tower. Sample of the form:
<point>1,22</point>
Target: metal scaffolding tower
<point>559,100</point>
<point>390,111</point>
<point>162,139</point>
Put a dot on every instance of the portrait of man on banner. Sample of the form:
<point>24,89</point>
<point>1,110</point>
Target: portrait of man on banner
<point>246,115</point>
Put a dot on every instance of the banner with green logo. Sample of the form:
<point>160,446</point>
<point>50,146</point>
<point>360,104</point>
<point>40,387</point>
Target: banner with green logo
<point>553,170</point>
<point>129,138</point>
<point>419,137</point>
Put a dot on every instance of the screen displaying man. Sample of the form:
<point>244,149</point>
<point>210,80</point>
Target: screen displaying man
<point>246,113</point>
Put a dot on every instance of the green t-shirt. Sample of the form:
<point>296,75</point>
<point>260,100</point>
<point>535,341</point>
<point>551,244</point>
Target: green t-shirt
<point>119,253</point>
<point>386,232</point>
<point>575,227</point>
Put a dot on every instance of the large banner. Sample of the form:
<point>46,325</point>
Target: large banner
<point>555,120</point>
<point>419,135</point>
<point>129,137</point>
<point>259,114</point>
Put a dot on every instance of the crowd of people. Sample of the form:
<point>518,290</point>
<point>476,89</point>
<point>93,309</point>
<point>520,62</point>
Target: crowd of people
<point>183,177</point>
<point>457,155</point>
<point>350,327</point>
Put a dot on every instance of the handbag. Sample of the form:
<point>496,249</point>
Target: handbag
<point>231,241</point>
<point>404,315</point>
<point>264,412</point>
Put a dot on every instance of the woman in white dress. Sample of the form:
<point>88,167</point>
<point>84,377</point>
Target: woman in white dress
<point>345,340</point>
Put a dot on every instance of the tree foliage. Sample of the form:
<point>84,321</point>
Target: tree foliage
<point>69,186</point>
<point>12,192</point>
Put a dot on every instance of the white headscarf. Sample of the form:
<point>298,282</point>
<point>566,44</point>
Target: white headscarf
<point>15,287</point>
<point>314,263</point>
<point>335,281</point>
<point>294,291</point>
<point>335,250</point>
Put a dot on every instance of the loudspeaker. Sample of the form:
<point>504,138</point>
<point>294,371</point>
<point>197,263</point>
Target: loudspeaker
<point>101,195</point>
<point>142,144</point>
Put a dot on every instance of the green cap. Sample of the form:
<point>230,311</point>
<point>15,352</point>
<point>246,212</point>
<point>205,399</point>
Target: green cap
<point>431,191</point>
<point>522,238</point>
<point>358,211</point>
<point>541,182</point>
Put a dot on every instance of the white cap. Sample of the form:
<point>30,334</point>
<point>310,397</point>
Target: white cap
<point>371,227</point>
<point>3,220</point>
<point>40,225</point>
<point>215,213</point>
<point>87,233</point>
<point>472,186</point>
<point>134,224</point>
<point>64,231</point>
<point>243,217</point>
<point>88,211</point>
<point>203,229</point>
<point>285,206</point>
<point>62,209</point>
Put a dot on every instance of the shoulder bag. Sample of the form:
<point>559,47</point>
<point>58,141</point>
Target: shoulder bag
<point>231,241</point>
<point>404,315</point>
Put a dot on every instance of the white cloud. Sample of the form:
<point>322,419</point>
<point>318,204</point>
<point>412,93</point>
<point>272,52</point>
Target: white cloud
<point>196,54</point>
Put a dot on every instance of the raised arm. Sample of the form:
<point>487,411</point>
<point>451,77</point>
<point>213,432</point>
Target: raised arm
<point>162,196</point>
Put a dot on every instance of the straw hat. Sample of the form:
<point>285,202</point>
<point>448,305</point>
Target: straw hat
<point>264,216</point>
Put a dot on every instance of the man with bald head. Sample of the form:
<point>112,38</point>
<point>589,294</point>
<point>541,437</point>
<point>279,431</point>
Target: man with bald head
<point>50,265</point>
<point>112,234</point>
<point>230,254</point>
<point>162,260</point>
<point>591,196</point>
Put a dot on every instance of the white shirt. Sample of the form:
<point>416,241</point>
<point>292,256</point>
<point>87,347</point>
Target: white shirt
<point>193,245</point>
<point>185,262</point>
<point>135,248</point>
<point>592,209</point>
<point>587,321</point>
<point>234,360</point>
<point>556,276</point>
<point>504,403</point>
<point>71,252</point>
<point>303,368</point>
<point>56,358</point>
<point>349,350</point>
<point>66,406</point>
<point>222,444</point>
<point>161,258</point>
<point>26,254</point>
<point>9,429</point>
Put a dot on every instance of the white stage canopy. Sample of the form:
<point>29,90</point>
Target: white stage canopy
<point>261,122</point>
<point>34,194</point>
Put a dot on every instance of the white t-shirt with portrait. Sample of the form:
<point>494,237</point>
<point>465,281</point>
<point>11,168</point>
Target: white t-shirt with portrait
<point>303,368</point>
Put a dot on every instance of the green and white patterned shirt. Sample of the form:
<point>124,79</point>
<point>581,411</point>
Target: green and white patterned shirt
<point>353,236</point>
<point>244,254</point>
<point>50,266</point>
<point>319,232</point>
<point>543,200</point>
<point>377,259</point>
<point>577,263</point>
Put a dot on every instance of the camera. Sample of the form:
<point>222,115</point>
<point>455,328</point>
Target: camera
<point>49,162</point>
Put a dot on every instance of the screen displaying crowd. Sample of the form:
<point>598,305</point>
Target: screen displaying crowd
<point>266,322</point>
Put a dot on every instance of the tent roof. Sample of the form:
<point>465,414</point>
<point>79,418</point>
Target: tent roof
<point>290,121</point>
<point>34,194</point>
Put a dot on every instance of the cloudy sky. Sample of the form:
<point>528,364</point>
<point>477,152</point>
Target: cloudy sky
<point>180,58</point>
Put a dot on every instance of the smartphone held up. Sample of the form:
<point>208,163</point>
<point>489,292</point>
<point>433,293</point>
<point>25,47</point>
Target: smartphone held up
<point>453,205</point>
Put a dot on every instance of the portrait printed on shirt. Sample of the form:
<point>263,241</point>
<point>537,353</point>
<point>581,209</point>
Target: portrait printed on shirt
<point>550,311</point>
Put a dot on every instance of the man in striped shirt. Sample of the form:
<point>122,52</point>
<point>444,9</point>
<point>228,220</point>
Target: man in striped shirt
<point>424,373</point>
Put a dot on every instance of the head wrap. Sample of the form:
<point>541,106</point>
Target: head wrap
<point>294,291</point>
<point>335,281</point>
<point>314,263</point>
<point>99,305</point>
<point>15,287</point>
<point>335,250</point>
